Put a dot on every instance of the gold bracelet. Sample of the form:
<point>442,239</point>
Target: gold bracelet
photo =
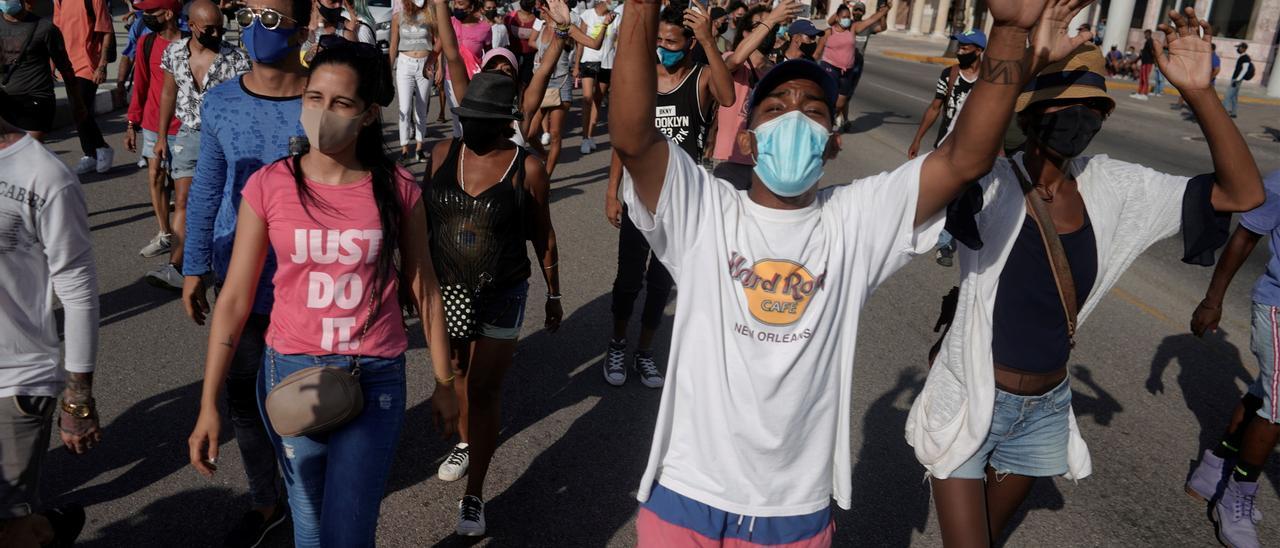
<point>553,265</point>
<point>446,382</point>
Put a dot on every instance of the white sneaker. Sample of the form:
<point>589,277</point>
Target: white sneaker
<point>158,246</point>
<point>546,139</point>
<point>142,163</point>
<point>106,155</point>
<point>470,517</point>
<point>86,164</point>
<point>165,277</point>
<point>455,466</point>
<point>587,146</point>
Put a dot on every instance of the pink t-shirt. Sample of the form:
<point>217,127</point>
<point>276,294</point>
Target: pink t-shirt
<point>473,37</point>
<point>839,51</point>
<point>327,256</point>
<point>731,120</point>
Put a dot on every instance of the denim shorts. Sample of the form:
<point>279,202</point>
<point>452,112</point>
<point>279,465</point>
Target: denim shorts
<point>184,150</point>
<point>148,143</point>
<point>502,314</point>
<point>1028,436</point>
<point>1266,332</point>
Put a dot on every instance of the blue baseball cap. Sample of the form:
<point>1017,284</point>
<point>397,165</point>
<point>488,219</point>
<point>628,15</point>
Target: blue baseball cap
<point>973,36</point>
<point>795,69</point>
<point>803,26</point>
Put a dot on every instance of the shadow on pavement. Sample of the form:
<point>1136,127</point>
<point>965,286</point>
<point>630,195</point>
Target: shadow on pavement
<point>868,121</point>
<point>167,522</point>
<point>886,470</point>
<point>1210,372</point>
<point>131,300</point>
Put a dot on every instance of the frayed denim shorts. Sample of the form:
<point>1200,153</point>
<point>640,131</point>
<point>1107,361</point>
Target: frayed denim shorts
<point>1028,436</point>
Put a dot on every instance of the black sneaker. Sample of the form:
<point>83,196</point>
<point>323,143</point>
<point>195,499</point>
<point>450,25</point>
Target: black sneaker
<point>944,255</point>
<point>650,376</point>
<point>67,522</point>
<point>253,528</point>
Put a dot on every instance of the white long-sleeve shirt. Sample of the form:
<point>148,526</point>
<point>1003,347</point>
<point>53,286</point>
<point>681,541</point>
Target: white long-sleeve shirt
<point>45,250</point>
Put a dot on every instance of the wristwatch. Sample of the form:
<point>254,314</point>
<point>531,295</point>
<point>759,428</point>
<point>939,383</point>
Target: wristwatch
<point>78,410</point>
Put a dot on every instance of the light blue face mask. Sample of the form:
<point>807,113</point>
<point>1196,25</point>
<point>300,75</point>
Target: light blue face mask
<point>670,58</point>
<point>789,153</point>
<point>846,22</point>
<point>11,7</point>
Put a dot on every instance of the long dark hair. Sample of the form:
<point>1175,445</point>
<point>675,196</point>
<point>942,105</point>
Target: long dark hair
<point>374,88</point>
<point>745,27</point>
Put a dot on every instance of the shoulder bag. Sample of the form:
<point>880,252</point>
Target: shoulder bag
<point>316,400</point>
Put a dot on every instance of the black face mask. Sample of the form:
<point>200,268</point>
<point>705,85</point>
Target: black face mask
<point>722,28</point>
<point>460,14</point>
<point>809,49</point>
<point>153,22</point>
<point>1068,132</point>
<point>332,16</point>
<point>482,135</point>
<point>209,40</point>
<point>967,59</point>
<point>491,14</point>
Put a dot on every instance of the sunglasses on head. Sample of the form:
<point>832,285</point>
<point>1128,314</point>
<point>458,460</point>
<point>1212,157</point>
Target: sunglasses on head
<point>269,19</point>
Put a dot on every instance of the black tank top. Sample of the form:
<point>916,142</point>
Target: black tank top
<point>679,117</point>
<point>479,241</point>
<point>1029,327</point>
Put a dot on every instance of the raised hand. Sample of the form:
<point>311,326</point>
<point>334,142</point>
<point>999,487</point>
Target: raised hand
<point>785,10</point>
<point>697,20</point>
<point>559,12</point>
<point>1023,14</point>
<point>1049,41</point>
<point>1189,63</point>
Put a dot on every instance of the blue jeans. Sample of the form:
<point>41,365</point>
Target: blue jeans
<point>1232,100</point>
<point>351,464</point>
<point>1158,87</point>
<point>1028,436</point>
<point>945,240</point>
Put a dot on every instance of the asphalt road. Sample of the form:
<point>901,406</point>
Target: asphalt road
<point>1148,394</point>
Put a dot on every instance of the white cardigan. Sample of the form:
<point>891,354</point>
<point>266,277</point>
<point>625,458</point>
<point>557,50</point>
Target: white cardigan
<point>1131,207</point>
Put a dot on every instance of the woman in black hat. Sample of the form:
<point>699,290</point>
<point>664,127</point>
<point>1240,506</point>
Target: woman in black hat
<point>485,198</point>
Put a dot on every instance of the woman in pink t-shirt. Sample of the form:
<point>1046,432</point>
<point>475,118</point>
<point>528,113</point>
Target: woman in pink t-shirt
<point>334,218</point>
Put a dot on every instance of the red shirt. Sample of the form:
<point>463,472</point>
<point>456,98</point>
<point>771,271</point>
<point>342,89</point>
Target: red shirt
<point>521,33</point>
<point>148,85</point>
<point>84,38</point>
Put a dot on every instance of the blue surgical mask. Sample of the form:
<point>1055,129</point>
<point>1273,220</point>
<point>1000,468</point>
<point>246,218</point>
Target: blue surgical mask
<point>670,58</point>
<point>266,45</point>
<point>846,22</point>
<point>11,7</point>
<point>789,152</point>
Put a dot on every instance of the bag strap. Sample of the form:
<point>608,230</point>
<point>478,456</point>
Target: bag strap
<point>951,80</point>
<point>1053,249</point>
<point>148,44</point>
<point>26,45</point>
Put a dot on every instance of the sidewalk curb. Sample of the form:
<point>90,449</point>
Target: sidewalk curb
<point>1111,84</point>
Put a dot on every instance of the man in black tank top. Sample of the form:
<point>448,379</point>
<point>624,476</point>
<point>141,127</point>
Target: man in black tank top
<point>687,94</point>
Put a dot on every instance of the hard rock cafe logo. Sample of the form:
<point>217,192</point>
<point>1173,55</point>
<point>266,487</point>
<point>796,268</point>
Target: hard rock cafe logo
<point>778,291</point>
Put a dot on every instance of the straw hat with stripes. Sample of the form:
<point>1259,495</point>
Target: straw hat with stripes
<point>1082,75</point>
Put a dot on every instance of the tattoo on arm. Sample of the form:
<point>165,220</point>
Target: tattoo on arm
<point>79,387</point>
<point>228,343</point>
<point>1001,71</point>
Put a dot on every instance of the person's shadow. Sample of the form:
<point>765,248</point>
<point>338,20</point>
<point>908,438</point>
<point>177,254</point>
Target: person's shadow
<point>587,475</point>
<point>868,121</point>
<point>890,492</point>
<point>1210,370</point>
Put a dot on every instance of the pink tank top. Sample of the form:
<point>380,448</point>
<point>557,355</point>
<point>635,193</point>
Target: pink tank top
<point>840,51</point>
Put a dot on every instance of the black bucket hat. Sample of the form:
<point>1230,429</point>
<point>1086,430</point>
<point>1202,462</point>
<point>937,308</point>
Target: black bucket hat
<point>490,95</point>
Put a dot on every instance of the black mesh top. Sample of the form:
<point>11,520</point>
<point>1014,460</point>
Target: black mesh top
<point>479,241</point>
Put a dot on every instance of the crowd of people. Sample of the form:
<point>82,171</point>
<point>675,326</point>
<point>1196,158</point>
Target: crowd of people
<point>273,189</point>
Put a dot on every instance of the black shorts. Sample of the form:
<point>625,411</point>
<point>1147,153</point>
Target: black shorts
<point>604,75</point>
<point>29,112</point>
<point>589,70</point>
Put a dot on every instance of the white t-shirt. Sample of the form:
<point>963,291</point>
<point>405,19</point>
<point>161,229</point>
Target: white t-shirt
<point>755,414</point>
<point>595,25</point>
<point>498,35</point>
<point>45,250</point>
<point>609,48</point>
